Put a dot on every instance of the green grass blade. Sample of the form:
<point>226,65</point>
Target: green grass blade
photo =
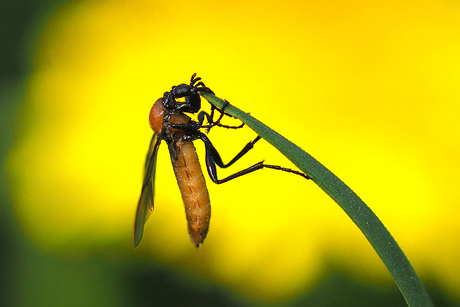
<point>381,240</point>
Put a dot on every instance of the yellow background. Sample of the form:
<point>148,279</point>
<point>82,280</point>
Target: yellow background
<point>370,89</point>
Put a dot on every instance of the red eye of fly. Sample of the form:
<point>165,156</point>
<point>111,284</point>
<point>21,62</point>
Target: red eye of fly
<point>156,116</point>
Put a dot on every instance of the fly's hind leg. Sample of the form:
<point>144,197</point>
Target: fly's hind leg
<point>212,152</point>
<point>213,158</point>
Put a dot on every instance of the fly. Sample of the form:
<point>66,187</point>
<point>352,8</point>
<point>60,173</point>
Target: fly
<point>170,124</point>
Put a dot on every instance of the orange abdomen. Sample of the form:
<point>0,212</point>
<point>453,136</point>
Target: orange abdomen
<point>193,189</point>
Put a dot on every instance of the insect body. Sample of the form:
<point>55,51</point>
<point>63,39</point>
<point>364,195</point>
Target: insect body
<point>169,123</point>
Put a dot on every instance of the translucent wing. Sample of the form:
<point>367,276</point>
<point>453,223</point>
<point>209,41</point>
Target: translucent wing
<point>145,206</point>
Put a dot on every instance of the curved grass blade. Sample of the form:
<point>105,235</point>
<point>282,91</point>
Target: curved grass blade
<point>380,238</point>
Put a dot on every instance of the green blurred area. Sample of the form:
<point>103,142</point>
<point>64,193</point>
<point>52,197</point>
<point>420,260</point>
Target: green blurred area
<point>31,277</point>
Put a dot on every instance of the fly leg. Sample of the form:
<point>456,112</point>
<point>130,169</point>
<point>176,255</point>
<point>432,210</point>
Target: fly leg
<point>200,87</point>
<point>210,118</point>
<point>213,158</point>
<point>211,151</point>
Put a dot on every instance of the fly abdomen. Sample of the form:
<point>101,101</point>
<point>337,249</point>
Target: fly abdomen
<point>193,189</point>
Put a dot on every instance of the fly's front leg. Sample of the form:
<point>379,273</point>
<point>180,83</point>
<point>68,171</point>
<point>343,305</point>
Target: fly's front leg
<point>210,117</point>
<point>202,115</point>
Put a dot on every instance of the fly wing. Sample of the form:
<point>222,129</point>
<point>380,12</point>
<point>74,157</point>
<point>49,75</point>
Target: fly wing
<point>145,206</point>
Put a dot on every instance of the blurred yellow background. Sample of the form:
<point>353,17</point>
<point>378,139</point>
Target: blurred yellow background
<point>370,89</point>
